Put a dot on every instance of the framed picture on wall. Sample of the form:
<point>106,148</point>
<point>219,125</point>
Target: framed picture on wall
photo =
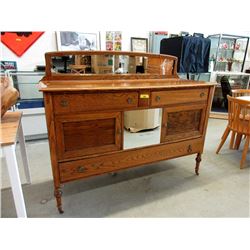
<point>139,44</point>
<point>72,40</point>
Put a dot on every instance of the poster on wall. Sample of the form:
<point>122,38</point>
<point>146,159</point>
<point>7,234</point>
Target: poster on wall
<point>139,44</point>
<point>72,40</point>
<point>114,40</point>
<point>19,42</point>
<point>118,40</point>
<point>8,65</point>
<point>109,40</point>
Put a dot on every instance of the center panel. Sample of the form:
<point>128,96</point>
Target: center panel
<point>183,121</point>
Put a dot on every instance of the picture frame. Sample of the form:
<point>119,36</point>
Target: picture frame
<point>139,44</point>
<point>73,40</point>
<point>9,65</point>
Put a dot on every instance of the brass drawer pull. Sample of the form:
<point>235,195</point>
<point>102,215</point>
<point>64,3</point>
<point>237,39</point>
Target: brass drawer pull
<point>157,98</point>
<point>129,100</point>
<point>202,94</point>
<point>81,169</point>
<point>144,96</point>
<point>64,103</point>
<point>189,149</point>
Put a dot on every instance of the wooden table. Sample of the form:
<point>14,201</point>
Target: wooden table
<point>10,128</point>
<point>245,98</point>
<point>79,69</point>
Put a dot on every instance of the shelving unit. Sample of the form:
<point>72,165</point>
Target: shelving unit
<point>228,52</point>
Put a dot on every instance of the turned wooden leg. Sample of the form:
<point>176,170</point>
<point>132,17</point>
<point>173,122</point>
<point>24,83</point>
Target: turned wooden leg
<point>237,141</point>
<point>231,146</point>
<point>244,153</point>
<point>198,160</point>
<point>58,195</point>
<point>223,139</point>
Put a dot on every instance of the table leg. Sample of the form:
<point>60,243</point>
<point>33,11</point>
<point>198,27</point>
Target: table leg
<point>11,160</point>
<point>24,154</point>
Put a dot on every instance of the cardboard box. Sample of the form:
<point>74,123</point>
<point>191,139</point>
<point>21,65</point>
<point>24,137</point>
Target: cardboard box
<point>138,120</point>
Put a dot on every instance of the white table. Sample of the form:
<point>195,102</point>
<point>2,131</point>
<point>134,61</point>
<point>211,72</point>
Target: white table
<point>10,128</point>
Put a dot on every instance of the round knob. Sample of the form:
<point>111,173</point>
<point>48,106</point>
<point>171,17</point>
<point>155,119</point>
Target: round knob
<point>64,103</point>
<point>81,169</point>
<point>202,94</point>
<point>129,100</point>
<point>189,149</point>
<point>157,98</point>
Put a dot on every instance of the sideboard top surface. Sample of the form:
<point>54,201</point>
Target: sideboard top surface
<point>88,85</point>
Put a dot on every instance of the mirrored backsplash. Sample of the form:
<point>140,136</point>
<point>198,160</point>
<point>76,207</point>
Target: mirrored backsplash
<point>109,64</point>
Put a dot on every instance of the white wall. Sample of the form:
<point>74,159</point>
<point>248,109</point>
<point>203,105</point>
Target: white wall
<point>35,54</point>
<point>47,42</point>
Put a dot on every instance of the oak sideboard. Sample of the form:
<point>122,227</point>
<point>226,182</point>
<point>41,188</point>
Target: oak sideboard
<point>85,111</point>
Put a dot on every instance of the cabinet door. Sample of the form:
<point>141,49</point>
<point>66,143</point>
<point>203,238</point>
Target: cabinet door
<point>86,134</point>
<point>183,122</point>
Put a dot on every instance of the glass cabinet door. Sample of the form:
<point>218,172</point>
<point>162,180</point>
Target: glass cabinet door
<point>228,52</point>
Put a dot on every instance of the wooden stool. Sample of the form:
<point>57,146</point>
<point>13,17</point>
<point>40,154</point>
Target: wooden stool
<point>10,127</point>
<point>78,69</point>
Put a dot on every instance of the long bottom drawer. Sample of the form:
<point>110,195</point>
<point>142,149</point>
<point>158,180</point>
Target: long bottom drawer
<point>77,169</point>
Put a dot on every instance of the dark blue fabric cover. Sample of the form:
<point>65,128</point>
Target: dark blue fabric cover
<point>192,53</point>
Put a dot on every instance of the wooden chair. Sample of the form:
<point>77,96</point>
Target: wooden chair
<point>238,93</point>
<point>238,122</point>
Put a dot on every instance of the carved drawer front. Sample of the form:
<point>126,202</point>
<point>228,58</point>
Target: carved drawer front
<point>178,96</point>
<point>181,123</point>
<point>85,134</point>
<point>125,159</point>
<point>67,103</point>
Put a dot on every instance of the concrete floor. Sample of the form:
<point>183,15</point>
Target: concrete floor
<point>164,189</point>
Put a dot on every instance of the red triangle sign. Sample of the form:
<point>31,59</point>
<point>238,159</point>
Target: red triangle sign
<point>19,42</point>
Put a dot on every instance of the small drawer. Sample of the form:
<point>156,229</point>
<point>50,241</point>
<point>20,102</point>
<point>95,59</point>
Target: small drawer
<point>74,170</point>
<point>160,98</point>
<point>68,103</point>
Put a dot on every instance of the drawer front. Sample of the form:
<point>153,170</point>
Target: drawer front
<point>178,96</point>
<point>125,159</point>
<point>68,103</point>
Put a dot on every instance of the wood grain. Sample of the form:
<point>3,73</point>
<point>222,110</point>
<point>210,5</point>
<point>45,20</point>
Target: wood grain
<point>105,84</point>
<point>160,98</point>
<point>85,134</point>
<point>183,122</point>
<point>126,159</point>
<point>8,127</point>
<point>85,117</point>
<point>68,103</point>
